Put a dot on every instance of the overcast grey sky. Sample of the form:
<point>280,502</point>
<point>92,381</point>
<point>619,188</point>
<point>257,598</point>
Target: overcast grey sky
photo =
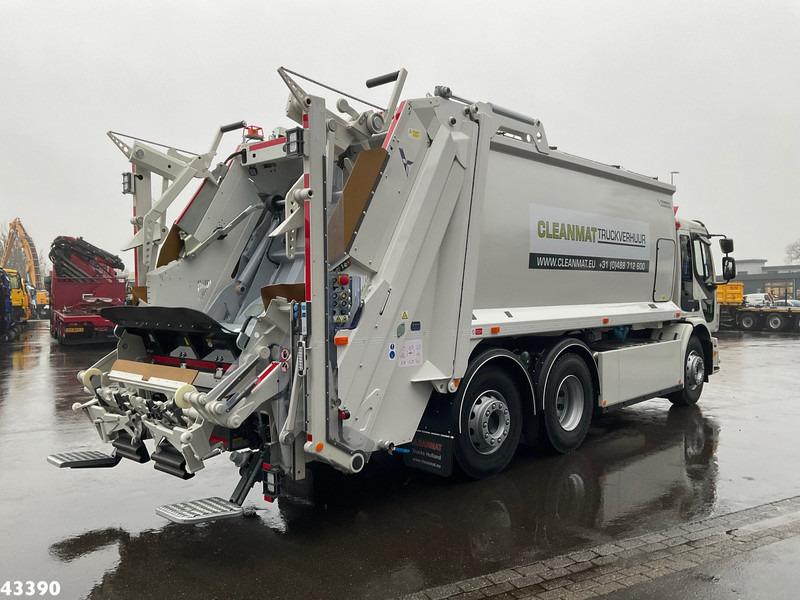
<point>710,89</point>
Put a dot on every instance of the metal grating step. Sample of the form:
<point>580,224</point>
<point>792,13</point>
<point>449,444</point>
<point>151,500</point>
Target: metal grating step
<point>199,511</point>
<point>83,459</point>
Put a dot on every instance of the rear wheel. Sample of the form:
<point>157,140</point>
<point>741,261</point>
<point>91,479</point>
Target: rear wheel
<point>568,404</point>
<point>747,322</point>
<point>775,322</point>
<point>490,423</point>
<point>694,375</point>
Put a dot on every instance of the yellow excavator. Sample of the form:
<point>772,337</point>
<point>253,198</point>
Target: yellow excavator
<point>29,297</point>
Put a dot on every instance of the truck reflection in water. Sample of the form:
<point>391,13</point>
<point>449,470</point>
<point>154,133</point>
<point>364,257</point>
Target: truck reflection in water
<point>394,531</point>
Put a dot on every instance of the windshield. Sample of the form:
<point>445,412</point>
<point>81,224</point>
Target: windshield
<point>15,281</point>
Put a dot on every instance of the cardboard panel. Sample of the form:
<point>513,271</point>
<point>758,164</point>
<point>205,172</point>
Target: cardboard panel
<point>146,370</point>
<point>356,193</point>
<point>290,291</point>
<point>171,248</point>
<point>139,292</point>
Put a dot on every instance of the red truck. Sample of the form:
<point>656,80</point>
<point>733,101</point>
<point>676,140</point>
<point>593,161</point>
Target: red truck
<point>84,280</point>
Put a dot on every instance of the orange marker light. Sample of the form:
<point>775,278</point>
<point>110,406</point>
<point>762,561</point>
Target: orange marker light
<point>495,329</point>
<point>319,446</point>
<point>605,320</point>
<point>341,340</point>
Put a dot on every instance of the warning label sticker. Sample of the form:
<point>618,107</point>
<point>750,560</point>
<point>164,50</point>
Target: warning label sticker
<point>570,240</point>
<point>410,354</point>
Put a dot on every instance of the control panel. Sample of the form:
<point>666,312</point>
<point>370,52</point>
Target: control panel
<point>345,299</point>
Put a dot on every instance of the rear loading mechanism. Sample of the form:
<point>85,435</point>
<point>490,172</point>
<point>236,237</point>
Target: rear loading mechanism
<point>430,280</point>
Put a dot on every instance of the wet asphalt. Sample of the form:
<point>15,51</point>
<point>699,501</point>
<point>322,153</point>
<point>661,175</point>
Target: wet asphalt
<point>391,530</point>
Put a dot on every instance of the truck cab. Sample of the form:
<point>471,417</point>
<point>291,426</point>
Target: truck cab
<point>697,291</point>
<point>20,304</point>
<point>697,285</point>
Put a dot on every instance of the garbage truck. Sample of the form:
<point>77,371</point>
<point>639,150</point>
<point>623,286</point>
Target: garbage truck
<point>429,279</point>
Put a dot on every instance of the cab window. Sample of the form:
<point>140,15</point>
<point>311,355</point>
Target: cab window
<point>703,267</point>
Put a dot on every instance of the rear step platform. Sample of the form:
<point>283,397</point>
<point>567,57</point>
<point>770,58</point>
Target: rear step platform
<point>199,511</point>
<point>84,459</point>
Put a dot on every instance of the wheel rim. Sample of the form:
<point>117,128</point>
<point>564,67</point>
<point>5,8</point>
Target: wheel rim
<point>747,322</point>
<point>489,422</point>
<point>695,370</point>
<point>569,402</point>
<point>775,323</point>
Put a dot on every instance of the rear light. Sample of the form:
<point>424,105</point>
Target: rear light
<point>344,279</point>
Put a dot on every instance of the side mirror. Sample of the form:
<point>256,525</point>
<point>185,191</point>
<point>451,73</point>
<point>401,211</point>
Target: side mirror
<point>728,268</point>
<point>726,245</point>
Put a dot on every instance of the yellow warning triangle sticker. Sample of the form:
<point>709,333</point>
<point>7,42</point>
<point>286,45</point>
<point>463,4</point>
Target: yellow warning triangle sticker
<point>404,315</point>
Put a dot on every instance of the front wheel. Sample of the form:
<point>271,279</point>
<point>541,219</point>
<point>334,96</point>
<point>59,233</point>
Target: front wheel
<point>490,423</point>
<point>568,404</point>
<point>694,375</point>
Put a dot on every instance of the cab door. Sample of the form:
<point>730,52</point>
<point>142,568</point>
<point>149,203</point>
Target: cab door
<point>698,289</point>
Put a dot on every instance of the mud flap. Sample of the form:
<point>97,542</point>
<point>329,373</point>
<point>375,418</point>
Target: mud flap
<point>432,446</point>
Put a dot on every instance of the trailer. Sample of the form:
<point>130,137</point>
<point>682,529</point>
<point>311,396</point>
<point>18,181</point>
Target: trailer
<point>772,314</point>
<point>83,282</point>
<point>429,279</point>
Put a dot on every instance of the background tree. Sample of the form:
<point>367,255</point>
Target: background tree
<point>793,252</point>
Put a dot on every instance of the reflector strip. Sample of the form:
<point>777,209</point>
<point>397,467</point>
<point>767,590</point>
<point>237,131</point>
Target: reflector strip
<point>396,118</point>
<point>191,200</point>
<point>267,144</point>
<point>265,373</point>
<point>191,363</point>
<point>307,228</point>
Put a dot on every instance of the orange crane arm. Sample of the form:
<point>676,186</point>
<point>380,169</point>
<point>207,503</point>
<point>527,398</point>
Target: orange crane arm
<point>17,236</point>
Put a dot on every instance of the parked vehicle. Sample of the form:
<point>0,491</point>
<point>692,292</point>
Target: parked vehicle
<point>19,255</point>
<point>431,280</point>
<point>761,311</point>
<point>788,302</point>
<point>759,299</point>
<point>7,325</point>
<point>20,302</point>
<point>84,280</point>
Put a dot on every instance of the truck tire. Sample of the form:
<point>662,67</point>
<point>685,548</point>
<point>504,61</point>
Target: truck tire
<point>694,373</point>
<point>775,322</point>
<point>747,322</point>
<point>490,419</point>
<point>568,404</point>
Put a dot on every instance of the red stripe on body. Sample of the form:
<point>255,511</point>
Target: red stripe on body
<point>307,227</point>
<point>395,119</point>
<point>191,200</point>
<point>265,373</point>
<point>267,144</point>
